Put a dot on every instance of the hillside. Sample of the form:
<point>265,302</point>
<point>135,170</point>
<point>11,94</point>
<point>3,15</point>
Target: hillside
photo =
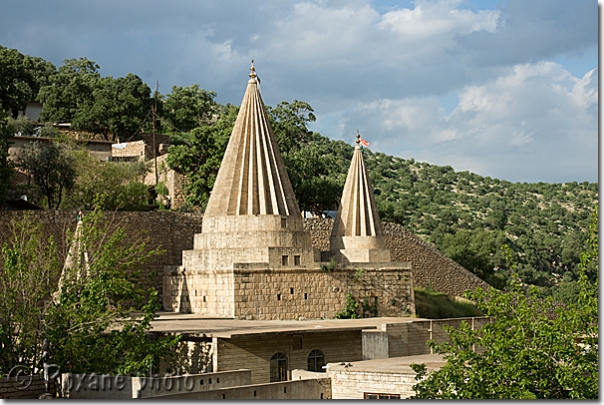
<point>489,226</point>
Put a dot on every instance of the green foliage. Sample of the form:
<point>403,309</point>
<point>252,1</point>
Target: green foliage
<point>358,274</point>
<point>21,126</point>
<point>350,309</point>
<point>48,131</point>
<point>187,108</point>
<point>51,167</point>
<point>329,267</point>
<point>117,108</point>
<point>29,267</point>
<point>312,170</point>
<point>200,157</point>
<point>89,321</point>
<point>290,124</point>
<point>436,305</point>
<point>6,171</point>
<point>68,89</point>
<point>533,348</point>
<point>107,185</point>
<point>18,85</point>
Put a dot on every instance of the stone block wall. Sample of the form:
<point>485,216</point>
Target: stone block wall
<point>409,339</point>
<point>351,384</point>
<point>299,389</point>
<point>271,294</point>
<point>255,351</point>
<point>25,388</point>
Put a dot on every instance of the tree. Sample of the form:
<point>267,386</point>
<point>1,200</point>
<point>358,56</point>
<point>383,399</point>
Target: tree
<point>532,348</point>
<point>290,124</point>
<point>89,320</point>
<point>68,89</point>
<point>17,82</point>
<point>106,185</point>
<point>189,107</point>
<point>118,107</point>
<point>200,156</point>
<point>313,173</point>
<point>51,167</point>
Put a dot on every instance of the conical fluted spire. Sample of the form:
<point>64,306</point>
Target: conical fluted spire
<point>252,179</point>
<point>357,235</point>
<point>358,215</point>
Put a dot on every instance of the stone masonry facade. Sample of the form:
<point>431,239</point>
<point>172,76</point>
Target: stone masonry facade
<point>263,294</point>
<point>174,232</point>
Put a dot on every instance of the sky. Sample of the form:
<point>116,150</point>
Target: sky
<point>501,88</point>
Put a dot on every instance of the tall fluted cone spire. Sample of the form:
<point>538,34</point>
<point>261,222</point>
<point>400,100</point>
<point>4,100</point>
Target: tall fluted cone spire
<point>357,235</point>
<point>252,179</point>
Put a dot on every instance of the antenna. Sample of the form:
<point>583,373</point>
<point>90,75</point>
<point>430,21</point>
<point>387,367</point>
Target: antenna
<point>154,143</point>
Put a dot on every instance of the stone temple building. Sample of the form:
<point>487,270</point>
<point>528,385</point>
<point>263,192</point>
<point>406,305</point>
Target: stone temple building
<point>254,260</point>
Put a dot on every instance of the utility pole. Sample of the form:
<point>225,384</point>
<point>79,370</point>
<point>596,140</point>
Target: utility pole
<point>154,142</point>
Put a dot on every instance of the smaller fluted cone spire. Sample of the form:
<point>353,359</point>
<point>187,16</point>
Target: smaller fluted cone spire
<point>357,227</point>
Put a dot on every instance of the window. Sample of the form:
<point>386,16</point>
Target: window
<point>316,361</point>
<point>296,260</point>
<point>381,396</point>
<point>284,260</point>
<point>278,367</point>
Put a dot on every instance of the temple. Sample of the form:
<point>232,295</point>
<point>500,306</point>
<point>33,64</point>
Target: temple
<point>254,260</point>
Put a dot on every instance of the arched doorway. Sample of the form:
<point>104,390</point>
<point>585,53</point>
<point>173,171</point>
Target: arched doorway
<point>278,367</point>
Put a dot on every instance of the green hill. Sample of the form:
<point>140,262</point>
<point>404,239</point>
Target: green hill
<point>489,226</point>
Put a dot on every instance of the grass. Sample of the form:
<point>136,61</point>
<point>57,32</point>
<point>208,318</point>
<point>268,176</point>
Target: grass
<point>437,305</point>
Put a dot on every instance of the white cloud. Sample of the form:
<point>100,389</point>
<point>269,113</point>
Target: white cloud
<point>385,73</point>
<point>537,123</point>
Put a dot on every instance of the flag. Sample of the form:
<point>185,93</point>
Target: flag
<point>364,142</point>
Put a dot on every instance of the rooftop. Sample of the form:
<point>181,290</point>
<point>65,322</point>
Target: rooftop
<point>392,365</point>
<point>208,326</point>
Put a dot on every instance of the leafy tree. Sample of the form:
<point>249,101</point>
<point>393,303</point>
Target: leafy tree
<point>107,185</point>
<point>18,85</point>
<point>51,167</point>
<point>29,268</point>
<point>189,107</point>
<point>6,170</point>
<point>290,124</point>
<point>88,321</point>
<point>200,156</point>
<point>532,348</point>
<point>313,173</point>
<point>118,107</point>
<point>68,89</point>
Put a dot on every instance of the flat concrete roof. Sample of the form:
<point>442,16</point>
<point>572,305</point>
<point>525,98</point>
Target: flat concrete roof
<point>392,365</point>
<point>207,326</point>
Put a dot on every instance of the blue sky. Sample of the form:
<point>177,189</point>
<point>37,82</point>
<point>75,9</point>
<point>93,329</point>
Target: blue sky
<point>507,89</point>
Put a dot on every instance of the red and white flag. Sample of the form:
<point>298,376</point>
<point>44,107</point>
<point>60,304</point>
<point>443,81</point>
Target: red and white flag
<point>364,142</point>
